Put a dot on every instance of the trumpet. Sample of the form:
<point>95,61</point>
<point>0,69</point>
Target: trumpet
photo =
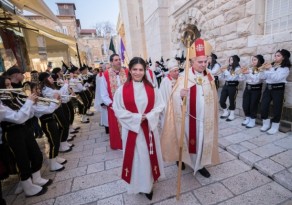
<point>267,66</point>
<point>221,70</point>
<point>17,92</point>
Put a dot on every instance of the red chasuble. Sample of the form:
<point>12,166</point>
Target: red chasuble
<point>129,101</point>
<point>114,131</point>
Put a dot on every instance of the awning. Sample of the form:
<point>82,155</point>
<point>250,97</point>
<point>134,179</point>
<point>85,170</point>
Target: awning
<point>37,7</point>
<point>44,30</point>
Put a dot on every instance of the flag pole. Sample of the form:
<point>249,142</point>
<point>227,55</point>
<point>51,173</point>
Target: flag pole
<point>190,36</point>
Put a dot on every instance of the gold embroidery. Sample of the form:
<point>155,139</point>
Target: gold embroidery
<point>127,171</point>
<point>209,99</point>
<point>155,169</point>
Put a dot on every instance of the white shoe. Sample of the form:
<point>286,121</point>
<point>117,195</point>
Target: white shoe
<point>38,180</point>
<point>69,145</point>
<point>64,147</point>
<point>246,121</point>
<point>251,123</point>
<point>61,160</point>
<point>231,116</point>
<point>55,166</point>
<point>266,125</point>
<point>274,128</point>
<point>225,114</point>
<point>18,189</point>
<point>31,189</point>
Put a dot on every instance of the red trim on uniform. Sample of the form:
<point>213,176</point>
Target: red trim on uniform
<point>129,102</point>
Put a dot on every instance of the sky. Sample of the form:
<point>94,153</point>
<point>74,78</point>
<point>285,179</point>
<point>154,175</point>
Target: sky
<point>91,12</point>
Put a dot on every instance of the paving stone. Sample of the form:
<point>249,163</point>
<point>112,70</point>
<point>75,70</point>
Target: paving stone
<point>268,167</point>
<point>284,178</point>
<point>91,159</point>
<point>220,149</point>
<point>97,167</point>
<point>212,194</point>
<point>267,150</point>
<point>255,131</point>
<point>249,158</point>
<point>71,173</point>
<point>185,199</point>
<point>285,142</point>
<point>236,149</point>
<point>245,181</point>
<point>99,150</point>
<point>172,171</point>
<point>76,155</point>
<point>284,158</point>
<point>223,171</point>
<point>266,139</point>
<point>163,190</point>
<point>85,142</point>
<point>113,163</point>
<point>268,194</point>
<point>47,202</point>
<point>248,145</point>
<point>229,131</point>
<point>238,137</point>
<point>114,200</point>
<point>10,199</point>
<point>223,143</point>
<point>225,156</point>
<point>96,179</point>
<point>223,126</point>
<point>114,154</point>
<point>54,190</point>
<point>92,194</point>
<point>71,163</point>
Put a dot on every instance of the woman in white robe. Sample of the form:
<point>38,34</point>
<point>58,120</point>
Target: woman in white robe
<point>141,180</point>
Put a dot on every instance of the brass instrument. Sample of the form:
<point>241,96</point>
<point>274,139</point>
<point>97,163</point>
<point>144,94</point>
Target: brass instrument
<point>221,70</point>
<point>70,84</point>
<point>20,95</point>
<point>267,66</point>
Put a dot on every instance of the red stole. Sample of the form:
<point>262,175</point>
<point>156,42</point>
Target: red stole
<point>129,101</point>
<point>169,77</point>
<point>193,112</point>
<point>114,131</point>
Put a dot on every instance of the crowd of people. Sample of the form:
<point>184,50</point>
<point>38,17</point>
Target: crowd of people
<point>141,110</point>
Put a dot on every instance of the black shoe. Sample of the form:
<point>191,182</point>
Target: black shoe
<point>77,128</point>
<point>43,191</point>
<point>68,150</point>
<point>149,196</point>
<point>204,172</point>
<point>183,167</point>
<point>223,117</point>
<point>91,114</point>
<point>87,121</point>
<point>106,130</point>
<point>74,132</point>
<point>48,183</point>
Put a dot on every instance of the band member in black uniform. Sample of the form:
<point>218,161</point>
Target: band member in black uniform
<point>79,89</point>
<point>275,75</point>
<point>18,134</point>
<point>253,91</point>
<point>57,75</point>
<point>230,88</point>
<point>214,68</point>
<point>158,72</point>
<point>50,128</point>
<point>48,90</point>
<point>86,79</point>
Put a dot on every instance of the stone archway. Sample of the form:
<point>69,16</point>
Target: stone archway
<point>192,18</point>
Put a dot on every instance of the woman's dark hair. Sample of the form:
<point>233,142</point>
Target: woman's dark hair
<point>286,55</point>
<point>134,61</point>
<point>44,82</point>
<point>235,63</point>
<point>2,82</point>
<point>261,60</point>
<point>213,61</point>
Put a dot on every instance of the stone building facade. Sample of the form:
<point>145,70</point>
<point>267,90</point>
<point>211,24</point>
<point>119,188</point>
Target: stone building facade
<point>242,27</point>
<point>92,48</point>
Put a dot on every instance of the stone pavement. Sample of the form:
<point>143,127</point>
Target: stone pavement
<point>255,169</point>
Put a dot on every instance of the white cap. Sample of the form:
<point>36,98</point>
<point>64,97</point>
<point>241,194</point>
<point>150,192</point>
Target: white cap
<point>172,64</point>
